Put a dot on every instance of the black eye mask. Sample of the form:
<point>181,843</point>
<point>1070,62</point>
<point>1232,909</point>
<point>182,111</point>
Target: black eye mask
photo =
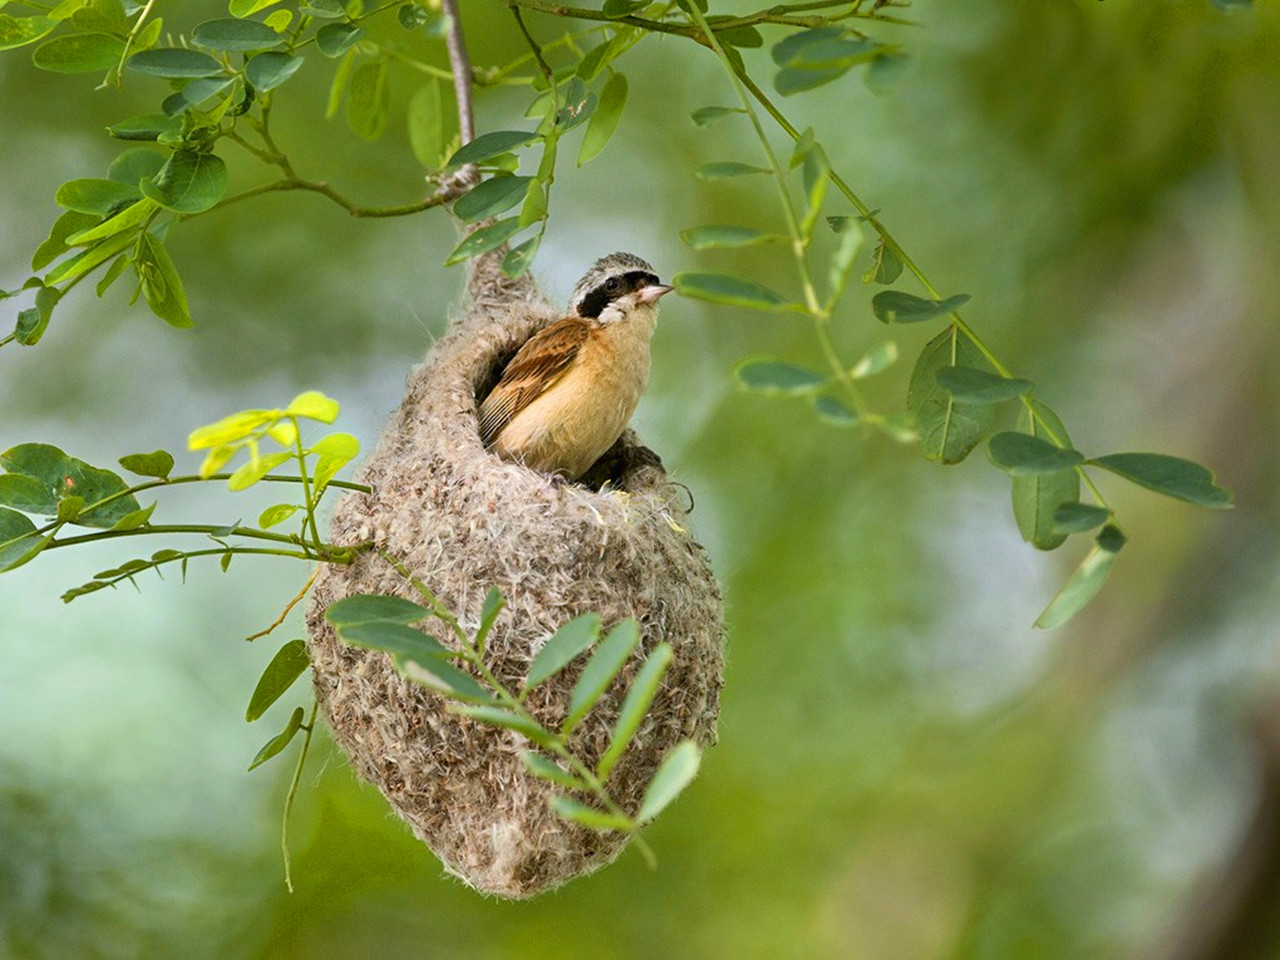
<point>593,303</point>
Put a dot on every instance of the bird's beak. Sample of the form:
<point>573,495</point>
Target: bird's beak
<point>651,293</point>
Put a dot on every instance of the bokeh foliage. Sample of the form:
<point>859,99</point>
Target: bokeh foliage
<point>904,770</point>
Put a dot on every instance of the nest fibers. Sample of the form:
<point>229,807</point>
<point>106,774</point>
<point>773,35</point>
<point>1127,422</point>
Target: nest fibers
<point>462,520</point>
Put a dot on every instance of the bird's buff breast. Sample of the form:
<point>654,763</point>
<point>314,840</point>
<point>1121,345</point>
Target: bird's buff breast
<point>568,428</point>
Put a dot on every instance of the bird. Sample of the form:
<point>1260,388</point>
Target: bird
<point>569,392</point>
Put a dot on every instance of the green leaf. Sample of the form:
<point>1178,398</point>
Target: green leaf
<point>832,411</point>
<point>374,608</point>
<point>483,240</point>
<point>540,766</point>
<point>778,378</point>
<point>278,514</point>
<point>229,429</point>
<point>894,306</point>
<point>714,236</point>
<point>493,604</point>
<point>33,322</point>
<point>87,260</point>
<point>731,290</point>
<point>69,508</point>
<point>600,670</point>
<point>369,100</point>
<point>705,116</point>
<point>1036,498</point>
<point>745,36</point>
<point>1079,517</point>
<point>886,70</point>
<point>285,667</point>
<point>614,9</point>
<point>561,648</point>
<point>433,123</point>
<point>886,265</point>
<point>97,197</point>
<point>341,446</point>
<point>150,126</point>
<point>876,360</point>
<point>313,405</point>
<point>491,197</point>
<point>158,463</point>
<point>237,36</point>
<point>335,39</point>
<point>189,182</point>
<point>580,813</point>
<point>64,476</point>
<point>173,63</point>
<point>787,51</point>
<point>841,266</point>
<point>828,53</point>
<point>268,70</point>
<point>577,104</point>
<point>970,385</point>
<point>602,55</point>
<point>114,272</point>
<point>19,541</point>
<point>677,771</point>
<point>132,521</point>
<point>1022,455</point>
<point>341,80</point>
<point>444,679</point>
<point>107,16</point>
<point>336,451</point>
<point>605,119</point>
<point>518,258</point>
<point>280,740</point>
<point>793,80</point>
<point>125,221</point>
<point>948,429</point>
<point>412,15</point>
<point>27,494</point>
<point>396,639</point>
<point>1172,476</point>
<point>19,31</point>
<point>79,53</point>
<point>324,9</point>
<point>635,707</point>
<point>67,225</point>
<point>1085,582</point>
<point>257,468</point>
<point>161,283</point>
<point>502,717</point>
<point>489,145</point>
<point>726,168</point>
<point>134,164</point>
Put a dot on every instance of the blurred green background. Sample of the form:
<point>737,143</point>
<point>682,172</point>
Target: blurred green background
<point>906,768</point>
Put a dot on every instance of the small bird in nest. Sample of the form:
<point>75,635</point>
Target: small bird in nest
<point>567,395</point>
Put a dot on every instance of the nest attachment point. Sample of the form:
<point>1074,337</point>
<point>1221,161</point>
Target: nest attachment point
<point>463,521</point>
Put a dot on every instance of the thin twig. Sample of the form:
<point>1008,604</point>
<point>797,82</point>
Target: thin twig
<point>289,606</point>
<point>460,62</point>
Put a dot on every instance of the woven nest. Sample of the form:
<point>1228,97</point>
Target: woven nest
<point>463,521</point>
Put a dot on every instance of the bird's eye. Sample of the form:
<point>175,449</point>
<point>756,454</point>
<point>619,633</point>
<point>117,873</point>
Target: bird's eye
<point>612,284</point>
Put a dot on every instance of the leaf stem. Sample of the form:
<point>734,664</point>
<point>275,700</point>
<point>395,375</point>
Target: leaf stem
<point>309,727</point>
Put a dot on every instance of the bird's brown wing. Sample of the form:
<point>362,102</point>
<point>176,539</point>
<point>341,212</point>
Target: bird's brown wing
<point>543,360</point>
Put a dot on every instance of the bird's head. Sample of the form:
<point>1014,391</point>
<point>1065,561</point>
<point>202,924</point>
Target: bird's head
<point>615,287</point>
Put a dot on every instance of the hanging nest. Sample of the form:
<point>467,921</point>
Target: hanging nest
<point>462,521</point>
